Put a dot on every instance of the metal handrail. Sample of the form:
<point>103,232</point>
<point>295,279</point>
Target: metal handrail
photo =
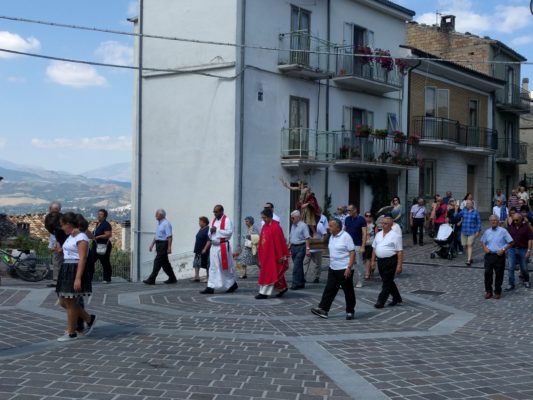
<point>308,144</point>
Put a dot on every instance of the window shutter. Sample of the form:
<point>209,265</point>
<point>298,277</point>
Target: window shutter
<point>368,119</point>
<point>369,38</point>
<point>347,118</point>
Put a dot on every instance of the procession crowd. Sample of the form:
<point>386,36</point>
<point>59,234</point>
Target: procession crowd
<point>356,244</point>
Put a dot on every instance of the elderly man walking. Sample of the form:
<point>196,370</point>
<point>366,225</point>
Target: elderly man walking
<point>299,245</point>
<point>163,247</point>
<point>495,241</point>
<point>221,266</point>
<point>273,255</point>
<point>342,257</point>
<point>470,228</point>
<point>388,251</point>
<point>521,250</point>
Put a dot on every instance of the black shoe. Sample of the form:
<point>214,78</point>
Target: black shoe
<point>280,294</point>
<point>378,305</point>
<point>509,288</point>
<point>394,302</point>
<point>316,280</point>
<point>170,281</point>
<point>233,288</point>
<point>321,313</point>
<point>349,316</point>
<point>149,282</point>
<point>207,290</point>
<point>297,287</point>
<point>244,277</point>
<point>54,284</point>
<point>261,296</point>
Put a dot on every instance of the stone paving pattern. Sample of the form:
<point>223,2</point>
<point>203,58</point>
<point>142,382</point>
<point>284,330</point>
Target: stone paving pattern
<point>161,342</point>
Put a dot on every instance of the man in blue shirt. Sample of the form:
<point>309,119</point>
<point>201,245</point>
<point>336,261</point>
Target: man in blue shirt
<point>163,247</point>
<point>470,228</point>
<point>495,241</point>
<point>355,225</point>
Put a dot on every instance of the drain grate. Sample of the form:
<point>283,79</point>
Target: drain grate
<point>428,292</point>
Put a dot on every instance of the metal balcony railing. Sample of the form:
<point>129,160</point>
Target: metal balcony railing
<point>302,49</point>
<point>349,65</point>
<point>452,132</point>
<point>514,98</point>
<point>307,144</point>
<point>374,149</point>
<point>512,150</point>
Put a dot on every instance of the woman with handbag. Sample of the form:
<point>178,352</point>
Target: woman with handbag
<point>101,247</point>
<point>248,254</point>
<point>201,249</point>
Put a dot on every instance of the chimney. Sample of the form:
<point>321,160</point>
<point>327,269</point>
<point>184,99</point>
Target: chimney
<point>525,84</point>
<point>447,23</point>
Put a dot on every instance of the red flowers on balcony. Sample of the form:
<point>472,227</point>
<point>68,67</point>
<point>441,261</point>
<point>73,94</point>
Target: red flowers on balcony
<point>367,58</point>
<point>413,139</point>
<point>362,131</point>
<point>384,58</point>
<point>399,137</point>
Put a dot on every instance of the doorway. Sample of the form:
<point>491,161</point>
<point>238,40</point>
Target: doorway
<point>354,191</point>
<point>471,180</point>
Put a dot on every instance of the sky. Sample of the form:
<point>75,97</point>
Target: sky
<point>75,118</point>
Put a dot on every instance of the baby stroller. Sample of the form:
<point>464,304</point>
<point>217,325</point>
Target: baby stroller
<point>444,240</point>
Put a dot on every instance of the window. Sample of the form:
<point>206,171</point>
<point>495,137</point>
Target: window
<point>437,102</point>
<point>427,178</point>
<point>392,122</point>
<point>300,39</point>
<point>510,85</point>
<point>473,113</point>
<point>355,36</point>
<point>298,124</point>
<point>356,116</point>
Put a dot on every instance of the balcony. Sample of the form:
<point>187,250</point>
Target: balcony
<point>513,99</point>
<point>448,133</point>
<point>511,151</point>
<point>372,151</point>
<point>303,147</point>
<point>366,74</point>
<point>304,56</point>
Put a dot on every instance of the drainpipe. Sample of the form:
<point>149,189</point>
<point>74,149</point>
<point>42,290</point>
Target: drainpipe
<point>326,179</point>
<point>493,157</point>
<point>139,141</point>
<point>241,122</point>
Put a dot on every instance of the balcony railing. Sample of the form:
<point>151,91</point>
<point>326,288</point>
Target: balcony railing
<point>513,98</point>
<point>374,149</point>
<point>451,132</point>
<point>369,75</point>
<point>303,144</point>
<point>511,151</point>
<point>303,54</point>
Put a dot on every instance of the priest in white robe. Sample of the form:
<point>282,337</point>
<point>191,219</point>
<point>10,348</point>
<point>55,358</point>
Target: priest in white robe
<point>221,268</point>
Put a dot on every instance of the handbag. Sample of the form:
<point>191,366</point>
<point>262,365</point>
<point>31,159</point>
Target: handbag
<point>197,262</point>
<point>101,248</point>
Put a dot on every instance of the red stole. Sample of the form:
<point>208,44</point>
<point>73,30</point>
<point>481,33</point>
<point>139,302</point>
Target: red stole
<point>223,241</point>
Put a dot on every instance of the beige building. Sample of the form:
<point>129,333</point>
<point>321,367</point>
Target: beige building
<point>526,136</point>
<point>510,101</point>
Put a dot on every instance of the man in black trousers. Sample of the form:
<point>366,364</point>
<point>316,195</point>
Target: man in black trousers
<point>163,247</point>
<point>388,251</point>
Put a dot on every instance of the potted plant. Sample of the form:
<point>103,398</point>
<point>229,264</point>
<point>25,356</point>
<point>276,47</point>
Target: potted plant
<point>402,66</point>
<point>383,157</point>
<point>413,139</point>
<point>343,151</point>
<point>381,133</point>
<point>399,137</point>
<point>366,55</point>
<point>384,58</point>
<point>362,131</point>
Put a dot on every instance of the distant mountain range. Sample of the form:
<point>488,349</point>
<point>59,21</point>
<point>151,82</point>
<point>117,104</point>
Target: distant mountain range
<point>27,189</point>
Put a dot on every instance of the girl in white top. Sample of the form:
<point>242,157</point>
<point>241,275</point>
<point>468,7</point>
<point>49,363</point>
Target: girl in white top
<point>74,278</point>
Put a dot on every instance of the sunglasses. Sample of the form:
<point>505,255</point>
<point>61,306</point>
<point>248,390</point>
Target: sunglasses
<point>368,215</point>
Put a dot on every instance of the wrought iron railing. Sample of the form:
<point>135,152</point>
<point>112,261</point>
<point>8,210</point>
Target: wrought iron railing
<point>512,150</point>
<point>514,96</point>
<point>308,144</point>
<point>303,49</point>
<point>451,131</point>
<point>349,64</point>
<point>375,149</point>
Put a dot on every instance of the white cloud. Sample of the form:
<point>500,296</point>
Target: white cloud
<point>522,40</point>
<point>86,143</point>
<point>12,41</point>
<point>74,75</point>
<point>504,19</point>
<point>133,8</point>
<point>3,142</point>
<point>16,79</point>
<point>112,52</point>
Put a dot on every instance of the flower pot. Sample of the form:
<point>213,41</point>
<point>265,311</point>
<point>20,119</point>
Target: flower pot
<point>399,140</point>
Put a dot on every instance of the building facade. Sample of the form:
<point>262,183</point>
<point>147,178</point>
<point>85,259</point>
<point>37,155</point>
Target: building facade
<point>510,101</point>
<point>293,101</point>
<point>526,136</point>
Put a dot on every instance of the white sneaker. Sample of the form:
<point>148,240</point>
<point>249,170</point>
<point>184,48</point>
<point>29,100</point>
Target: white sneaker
<point>67,337</point>
<point>359,284</point>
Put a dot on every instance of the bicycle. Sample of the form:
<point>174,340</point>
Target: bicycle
<point>25,266</point>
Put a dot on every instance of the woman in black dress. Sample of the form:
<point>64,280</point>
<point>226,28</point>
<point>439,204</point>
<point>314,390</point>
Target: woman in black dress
<point>201,249</point>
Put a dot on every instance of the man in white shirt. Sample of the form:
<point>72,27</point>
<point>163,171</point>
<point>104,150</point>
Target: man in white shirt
<point>522,194</point>
<point>163,247</point>
<point>342,257</point>
<point>316,254</point>
<point>388,251</point>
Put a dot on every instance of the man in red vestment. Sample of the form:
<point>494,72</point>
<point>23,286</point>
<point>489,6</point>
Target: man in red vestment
<point>273,254</point>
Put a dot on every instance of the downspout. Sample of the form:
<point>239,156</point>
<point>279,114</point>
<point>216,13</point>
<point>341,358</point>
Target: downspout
<point>409,128</point>
<point>326,179</point>
<point>494,146</point>
<point>139,140</point>
<point>241,122</point>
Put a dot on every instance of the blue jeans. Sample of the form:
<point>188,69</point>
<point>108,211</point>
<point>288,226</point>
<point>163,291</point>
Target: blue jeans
<point>298,255</point>
<point>515,255</point>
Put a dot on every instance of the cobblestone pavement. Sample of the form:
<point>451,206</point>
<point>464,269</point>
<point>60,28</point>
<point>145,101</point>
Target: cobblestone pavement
<point>445,341</point>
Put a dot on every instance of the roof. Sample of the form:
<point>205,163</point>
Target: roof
<point>396,7</point>
<point>451,64</point>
